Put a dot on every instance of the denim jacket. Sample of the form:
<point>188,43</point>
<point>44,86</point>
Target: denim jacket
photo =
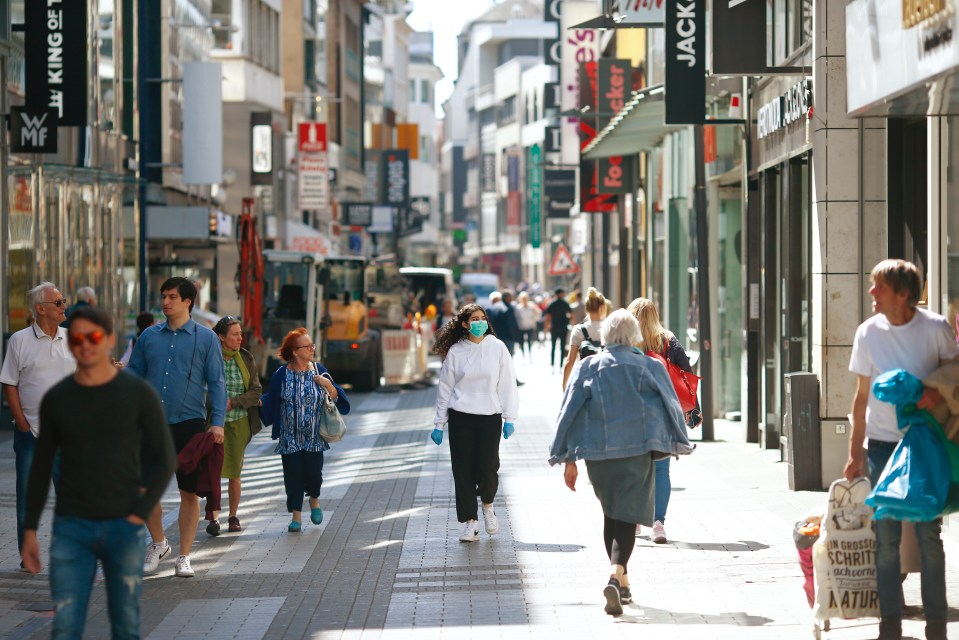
<point>618,404</point>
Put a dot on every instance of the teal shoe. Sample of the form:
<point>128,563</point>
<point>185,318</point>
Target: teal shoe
<point>294,526</point>
<point>316,515</point>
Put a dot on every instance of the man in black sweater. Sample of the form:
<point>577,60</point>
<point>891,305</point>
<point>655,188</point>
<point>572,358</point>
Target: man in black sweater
<point>116,459</point>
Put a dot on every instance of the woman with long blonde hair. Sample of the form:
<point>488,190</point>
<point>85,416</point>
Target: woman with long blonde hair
<point>658,339</point>
<point>596,309</point>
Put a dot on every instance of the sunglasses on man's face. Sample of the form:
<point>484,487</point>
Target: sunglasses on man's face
<point>60,303</point>
<point>94,338</point>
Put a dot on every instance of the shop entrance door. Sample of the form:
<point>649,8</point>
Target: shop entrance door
<point>771,309</point>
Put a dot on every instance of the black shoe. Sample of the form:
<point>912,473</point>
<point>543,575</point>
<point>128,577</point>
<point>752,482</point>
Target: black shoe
<point>625,596</point>
<point>614,604</point>
<point>213,528</point>
<point>935,630</point>
<point>890,629</point>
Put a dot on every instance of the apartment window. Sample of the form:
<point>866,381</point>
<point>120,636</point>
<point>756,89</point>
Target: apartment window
<point>791,27</point>
<point>425,93</point>
<point>426,150</point>
<point>412,90</point>
<point>506,111</point>
<point>309,62</point>
<point>222,12</point>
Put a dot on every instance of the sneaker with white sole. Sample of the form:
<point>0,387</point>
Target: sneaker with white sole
<point>470,532</point>
<point>659,532</point>
<point>490,519</point>
<point>155,552</point>
<point>183,568</point>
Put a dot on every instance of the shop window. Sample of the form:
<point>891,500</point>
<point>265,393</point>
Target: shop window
<point>907,195</point>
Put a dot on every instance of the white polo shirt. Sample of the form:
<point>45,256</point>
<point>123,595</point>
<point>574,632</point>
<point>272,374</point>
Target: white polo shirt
<point>33,363</point>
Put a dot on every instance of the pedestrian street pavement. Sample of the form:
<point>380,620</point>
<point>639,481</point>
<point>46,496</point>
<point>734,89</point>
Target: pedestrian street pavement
<point>386,563</point>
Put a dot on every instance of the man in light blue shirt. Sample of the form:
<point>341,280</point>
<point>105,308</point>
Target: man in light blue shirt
<point>184,363</point>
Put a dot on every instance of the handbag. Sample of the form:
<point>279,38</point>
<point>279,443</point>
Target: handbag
<point>684,383</point>
<point>332,425</point>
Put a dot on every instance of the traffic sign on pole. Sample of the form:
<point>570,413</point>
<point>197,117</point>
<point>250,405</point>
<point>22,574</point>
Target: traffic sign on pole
<point>562,263</point>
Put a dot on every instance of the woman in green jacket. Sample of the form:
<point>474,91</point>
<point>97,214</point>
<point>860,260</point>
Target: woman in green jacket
<point>243,392</point>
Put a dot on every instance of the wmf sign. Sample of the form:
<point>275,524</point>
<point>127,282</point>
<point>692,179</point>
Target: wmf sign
<point>33,130</point>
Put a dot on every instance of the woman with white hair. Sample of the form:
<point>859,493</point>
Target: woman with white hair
<point>620,414</point>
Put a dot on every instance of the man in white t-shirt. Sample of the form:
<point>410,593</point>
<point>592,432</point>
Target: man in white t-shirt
<point>36,359</point>
<point>898,336</point>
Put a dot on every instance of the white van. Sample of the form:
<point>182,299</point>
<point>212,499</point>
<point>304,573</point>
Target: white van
<point>479,285</point>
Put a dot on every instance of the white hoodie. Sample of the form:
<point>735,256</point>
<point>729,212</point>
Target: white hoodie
<point>477,378</point>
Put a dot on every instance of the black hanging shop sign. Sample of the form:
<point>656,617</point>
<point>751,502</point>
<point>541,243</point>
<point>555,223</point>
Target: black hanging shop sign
<point>685,100</point>
<point>56,58</point>
<point>33,131</point>
<point>739,37</point>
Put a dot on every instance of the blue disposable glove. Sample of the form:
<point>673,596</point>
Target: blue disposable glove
<point>508,430</point>
<point>437,436</point>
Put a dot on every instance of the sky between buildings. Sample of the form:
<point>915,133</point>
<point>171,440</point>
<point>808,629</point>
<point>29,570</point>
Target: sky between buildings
<point>445,18</point>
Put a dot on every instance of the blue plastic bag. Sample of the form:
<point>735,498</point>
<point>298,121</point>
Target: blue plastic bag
<point>915,483</point>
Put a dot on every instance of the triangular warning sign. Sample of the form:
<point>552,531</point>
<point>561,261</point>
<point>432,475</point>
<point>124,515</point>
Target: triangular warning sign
<point>562,264</point>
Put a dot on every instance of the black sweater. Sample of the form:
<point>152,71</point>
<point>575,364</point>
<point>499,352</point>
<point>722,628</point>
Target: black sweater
<point>113,439</point>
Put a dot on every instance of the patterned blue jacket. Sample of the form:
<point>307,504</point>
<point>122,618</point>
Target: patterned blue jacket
<point>270,409</point>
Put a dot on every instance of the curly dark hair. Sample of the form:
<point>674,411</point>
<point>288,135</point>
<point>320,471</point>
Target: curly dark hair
<point>454,331</point>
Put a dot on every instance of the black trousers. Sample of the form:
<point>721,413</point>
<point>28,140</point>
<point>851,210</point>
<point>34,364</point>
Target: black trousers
<point>620,538</point>
<point>474,452</point>
<point>557,344</point>
<point>302,475</point>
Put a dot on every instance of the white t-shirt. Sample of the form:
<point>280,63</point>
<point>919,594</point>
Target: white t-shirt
<point>920,346</point>
<point>33,363</point>
<point>576,336</point>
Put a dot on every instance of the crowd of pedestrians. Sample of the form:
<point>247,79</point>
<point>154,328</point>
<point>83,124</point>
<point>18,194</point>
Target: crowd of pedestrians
<point>186,401</point>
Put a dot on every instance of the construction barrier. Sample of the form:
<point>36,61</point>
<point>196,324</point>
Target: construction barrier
<point>401,356</point>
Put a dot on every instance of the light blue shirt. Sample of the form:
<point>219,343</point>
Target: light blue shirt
<point>183,366</point>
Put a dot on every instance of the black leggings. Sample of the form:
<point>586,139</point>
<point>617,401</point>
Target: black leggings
<point>620,538</point>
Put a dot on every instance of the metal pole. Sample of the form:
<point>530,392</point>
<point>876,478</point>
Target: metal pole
<point>702,287</point>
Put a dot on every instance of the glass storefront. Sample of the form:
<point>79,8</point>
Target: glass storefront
<point>67,226</point>
<point>786,242</point>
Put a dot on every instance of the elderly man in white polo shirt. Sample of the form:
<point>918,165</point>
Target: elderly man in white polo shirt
<point>36,359</point>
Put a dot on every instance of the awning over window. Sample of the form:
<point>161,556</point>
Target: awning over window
<point>637,127</point>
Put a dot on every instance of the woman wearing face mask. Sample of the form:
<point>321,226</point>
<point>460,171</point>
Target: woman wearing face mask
<point>477,396</point>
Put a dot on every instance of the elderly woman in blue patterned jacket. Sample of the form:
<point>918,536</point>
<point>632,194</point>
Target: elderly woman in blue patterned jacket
<point>294,405</point>
<point>598,423</point>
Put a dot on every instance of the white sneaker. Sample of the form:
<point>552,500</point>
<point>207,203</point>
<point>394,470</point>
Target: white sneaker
<point>155,552</point>
<point>470,532</point>
<point>659,532</point>
<point>183,568</point>
<point>489,519</point>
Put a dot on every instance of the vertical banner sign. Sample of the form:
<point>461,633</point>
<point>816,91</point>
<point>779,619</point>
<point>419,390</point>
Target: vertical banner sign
<point>614,86</point>
<point>552,139</point>
<point>745,53</point>
<point>261,147</point>
<point>591,198</point>
<point>371,175</point>
<point>578,46</point>
<point>552,14</point>
<point>396,178</point>
<point>638,13</point>
<point>552,94</point>
<point>488,175</point>
<point>559,187</point>
<point>56,58</point>
<point>685,61</point>
<point>615,175</point>
<point>313,183</point>
<point>535,195</point>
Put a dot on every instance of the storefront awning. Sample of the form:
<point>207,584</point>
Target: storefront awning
<point>637,127</point>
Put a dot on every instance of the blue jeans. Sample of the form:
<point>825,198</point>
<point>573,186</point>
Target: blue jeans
<point>24,446</point>
<point>888,537</point>
<point>663,488</point>
<point>76,546</point>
